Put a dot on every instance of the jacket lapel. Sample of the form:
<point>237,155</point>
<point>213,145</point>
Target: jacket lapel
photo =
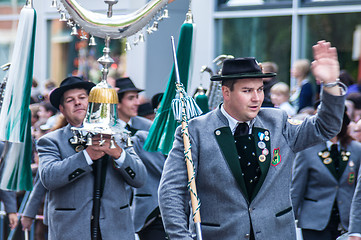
<point>345,155</point>
<point>263,145</point>
<point>225,141</point>
<point>326,159</point>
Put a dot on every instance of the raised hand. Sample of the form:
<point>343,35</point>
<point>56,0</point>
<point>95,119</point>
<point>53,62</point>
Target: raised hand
<point>325,66</point>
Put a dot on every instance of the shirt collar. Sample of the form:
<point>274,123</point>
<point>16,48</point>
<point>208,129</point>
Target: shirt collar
<point>123,124</point>
<point>232,122</point>
<point>329,144</point>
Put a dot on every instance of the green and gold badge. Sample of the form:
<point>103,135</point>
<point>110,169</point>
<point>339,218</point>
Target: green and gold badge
<point>276,157</point>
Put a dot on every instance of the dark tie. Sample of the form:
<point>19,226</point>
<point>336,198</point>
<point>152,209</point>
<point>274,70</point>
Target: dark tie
<point>131,129</point>
<point>334,156</point>
<point>241,130</point>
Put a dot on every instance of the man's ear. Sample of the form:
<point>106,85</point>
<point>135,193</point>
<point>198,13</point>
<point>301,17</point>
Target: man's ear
<point>226,92</point>
<point>61,108</point>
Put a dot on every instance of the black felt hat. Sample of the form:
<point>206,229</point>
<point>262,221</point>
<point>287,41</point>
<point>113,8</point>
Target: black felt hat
<point>145,109</point>
<point>240,68</point>
<point>126,85</point>
<point>156,99</point>
<point>67,84</point>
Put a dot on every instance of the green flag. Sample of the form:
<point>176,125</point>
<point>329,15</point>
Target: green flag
<point>15,114</point>
<point>161,134</point>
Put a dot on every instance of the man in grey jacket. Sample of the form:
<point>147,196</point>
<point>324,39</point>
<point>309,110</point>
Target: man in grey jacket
<point>67,172</point>
<point>145,211</point>
<point>355,213</point>
<point>243,156</point>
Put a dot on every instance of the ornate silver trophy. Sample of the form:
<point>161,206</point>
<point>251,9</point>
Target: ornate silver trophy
<point>101,115</point>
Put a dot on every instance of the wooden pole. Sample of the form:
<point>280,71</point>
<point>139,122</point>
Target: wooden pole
<point>190,166</point>
<point>187,151</point>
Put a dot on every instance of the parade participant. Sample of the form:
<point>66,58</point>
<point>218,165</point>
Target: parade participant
<point>355,214</point>
<point>127,108</point>
<point>146,215</point>
<point>243,180</point>
<point>323,183</point>
<point>66,171</point>
<point>36,199</point>
<point>9,200</point>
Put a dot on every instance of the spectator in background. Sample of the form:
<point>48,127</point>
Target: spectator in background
<point>280,94</point>
<point>269,67</point>
<point>35,92</point>
<point>34,108</point>
<point>47,116</point>
<point>48,87</point>
<point>347,79</point>
<point>355,98</point>
<point>303,94</point>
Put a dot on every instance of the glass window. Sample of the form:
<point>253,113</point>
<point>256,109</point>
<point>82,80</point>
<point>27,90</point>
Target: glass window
<point>252,3</point>
<point>330,1</point>
<point>339,29</point>
<point>265,38</point>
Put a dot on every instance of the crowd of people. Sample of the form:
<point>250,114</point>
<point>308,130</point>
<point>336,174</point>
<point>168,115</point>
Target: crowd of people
<point>265,159</point>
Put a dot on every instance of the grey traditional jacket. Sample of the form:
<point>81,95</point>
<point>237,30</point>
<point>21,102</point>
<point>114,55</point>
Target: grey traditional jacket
<point>355,214</point>
<point>35,200</point>
<point>145,203</point>
<point>70,181</point>
<point>315,186</point>
<point>225,211</point>
<point>9,200</point>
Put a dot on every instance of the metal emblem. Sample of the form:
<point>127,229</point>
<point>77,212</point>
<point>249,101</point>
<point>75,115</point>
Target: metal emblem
<point>218,132</point>
<point>79,148</point>
<point>262,158</point>
<point>325,154</point>
<point>265,152</point>
<point>327,161</point>
<point>261,145</point>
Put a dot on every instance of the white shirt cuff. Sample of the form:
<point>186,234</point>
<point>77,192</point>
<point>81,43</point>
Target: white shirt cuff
<point>121,159</point>
<point>87,158</point>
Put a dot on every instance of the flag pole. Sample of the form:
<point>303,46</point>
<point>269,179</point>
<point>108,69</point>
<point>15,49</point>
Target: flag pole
<point>187,150</point>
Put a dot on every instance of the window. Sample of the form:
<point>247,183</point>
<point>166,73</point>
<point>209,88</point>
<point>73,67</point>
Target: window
<point>265,38</point>
<point>339,30</point>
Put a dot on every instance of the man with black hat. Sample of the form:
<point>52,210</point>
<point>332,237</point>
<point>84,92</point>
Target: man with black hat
<point>243,154</point>
<point>128,96</point>
<point>66,170</point>
<point>147,221</point>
